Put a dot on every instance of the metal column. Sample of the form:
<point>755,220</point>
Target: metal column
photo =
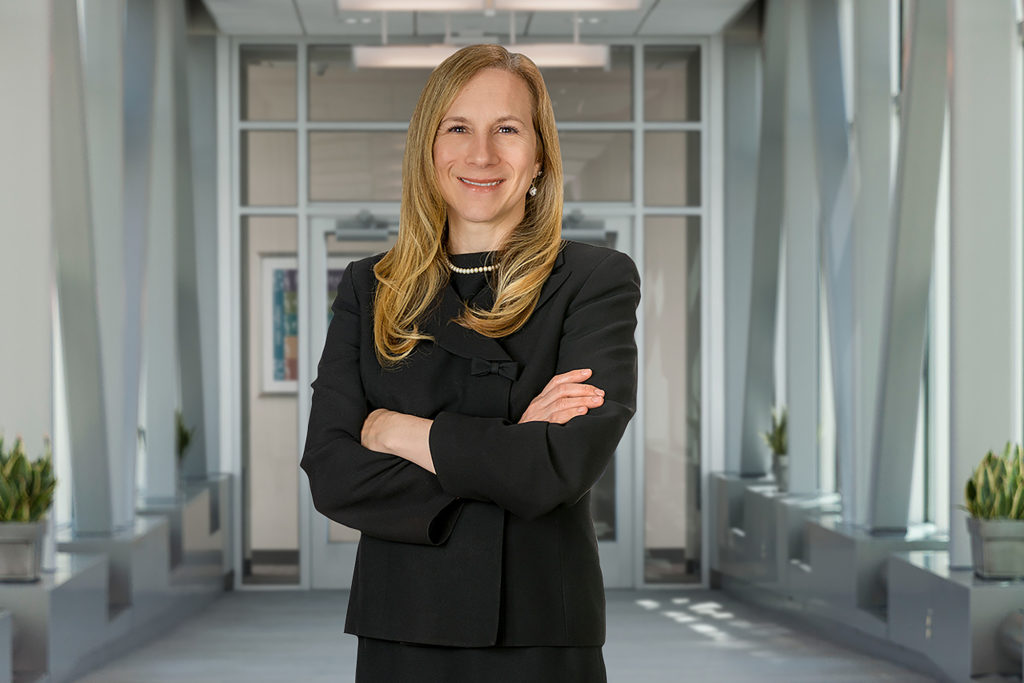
<point>910,267</point>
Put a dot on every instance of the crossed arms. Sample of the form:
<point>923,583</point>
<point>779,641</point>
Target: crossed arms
<point>401,477</point>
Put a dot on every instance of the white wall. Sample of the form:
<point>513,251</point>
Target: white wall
<point>25,242</point>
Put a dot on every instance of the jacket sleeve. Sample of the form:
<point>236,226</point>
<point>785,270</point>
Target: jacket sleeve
<point>377,493</point>
<point>530,469</point>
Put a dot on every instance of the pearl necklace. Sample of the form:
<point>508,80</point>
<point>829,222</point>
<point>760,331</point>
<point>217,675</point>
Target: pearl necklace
<point>469,271</point>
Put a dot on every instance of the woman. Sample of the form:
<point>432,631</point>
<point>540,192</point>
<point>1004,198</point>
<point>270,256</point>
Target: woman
<point>475,382</point>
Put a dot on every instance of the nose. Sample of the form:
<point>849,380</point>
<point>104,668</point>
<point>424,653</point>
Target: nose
<point>481,151</point>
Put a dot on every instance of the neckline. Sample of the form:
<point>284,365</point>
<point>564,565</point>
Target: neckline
<point>471,259</point>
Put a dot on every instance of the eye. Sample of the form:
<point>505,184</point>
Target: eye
<point>457,128</point>
<point>508,129</point>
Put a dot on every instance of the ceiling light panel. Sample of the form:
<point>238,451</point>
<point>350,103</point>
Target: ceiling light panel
<point>400,56</point>
<point>411,5</point>
<point>564,55</point>
<point>544,55</point>
<point>566,5</point>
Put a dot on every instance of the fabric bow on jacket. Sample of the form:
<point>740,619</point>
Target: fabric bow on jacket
<point>506,368</point>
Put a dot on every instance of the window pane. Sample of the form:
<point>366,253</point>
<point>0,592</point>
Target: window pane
<point>268,83</point>
<point>672,168</point>
<point>672,83</point>
<point>270,428</point>
<point>340,92</point>
<point>269,168</point>
<point>594,94</point>
<point>672,361</point>
<point>597,166</point>
<point>360,166</point>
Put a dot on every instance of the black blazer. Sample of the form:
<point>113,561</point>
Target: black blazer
<point>499,547</point>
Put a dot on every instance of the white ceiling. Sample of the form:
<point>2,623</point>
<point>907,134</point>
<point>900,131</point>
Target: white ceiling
<point>322,18</point>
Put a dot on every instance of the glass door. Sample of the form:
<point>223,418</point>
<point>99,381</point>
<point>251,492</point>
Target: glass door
<point>611,498</point>
<point>336,242</point>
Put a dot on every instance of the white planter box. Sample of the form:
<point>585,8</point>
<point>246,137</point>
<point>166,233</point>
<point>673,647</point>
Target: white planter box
<point>21,549</point>
<point>997,547</point>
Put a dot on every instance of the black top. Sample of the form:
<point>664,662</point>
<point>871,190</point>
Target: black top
<point>468,285</point>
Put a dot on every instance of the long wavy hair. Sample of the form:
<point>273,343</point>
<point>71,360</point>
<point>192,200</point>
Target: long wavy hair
<point>413,272</point>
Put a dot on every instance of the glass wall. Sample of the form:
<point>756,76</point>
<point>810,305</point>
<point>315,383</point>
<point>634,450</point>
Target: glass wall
<point>672,184</point>
<point>672,267</point>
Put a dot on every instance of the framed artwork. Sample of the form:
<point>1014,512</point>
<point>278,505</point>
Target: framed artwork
<point>279,278</point>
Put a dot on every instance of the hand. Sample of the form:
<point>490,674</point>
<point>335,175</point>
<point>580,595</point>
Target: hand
<point>374,428</point>
<point>564,398</point>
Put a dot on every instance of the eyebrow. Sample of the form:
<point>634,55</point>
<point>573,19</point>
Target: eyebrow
<point>500,119</point>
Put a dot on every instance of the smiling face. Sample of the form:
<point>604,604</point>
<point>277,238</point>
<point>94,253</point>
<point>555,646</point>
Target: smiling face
<point>485,156</point>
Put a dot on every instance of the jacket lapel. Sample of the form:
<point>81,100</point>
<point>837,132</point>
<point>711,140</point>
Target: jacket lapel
<point>555,280</point>
<point>456,339</point>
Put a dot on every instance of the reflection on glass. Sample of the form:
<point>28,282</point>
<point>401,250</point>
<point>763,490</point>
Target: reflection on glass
<point>672,360</point>
<point>268,83</point>
<point>269,163</point>
<point>598,166</point>
<point>269,407</point>
<point>672,83</point>
<point>594,94</point>
<point>340,92</point>
<point>672,168</point>
<point>355,166</point>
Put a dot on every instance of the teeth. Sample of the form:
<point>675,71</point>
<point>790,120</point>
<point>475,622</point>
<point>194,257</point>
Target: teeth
<point>490,184</point>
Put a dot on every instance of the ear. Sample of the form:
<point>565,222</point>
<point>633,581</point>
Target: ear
<point>536,168</point>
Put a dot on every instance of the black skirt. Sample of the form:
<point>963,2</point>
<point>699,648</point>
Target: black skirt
<point>385,661</point>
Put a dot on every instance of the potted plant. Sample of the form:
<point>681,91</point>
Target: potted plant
<point>778,443</point>
<point>995,502</point>
<point>26,493</point>
<point>183,436</point>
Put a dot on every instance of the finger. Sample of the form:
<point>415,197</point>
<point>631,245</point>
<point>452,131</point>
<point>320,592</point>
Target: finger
<point>566,391</point>
<point>562,416</point>
<point>564,408</point>
<point>577,375</point>
<point>575,389</point>
<point>574,402</point>
<point>569,389</point>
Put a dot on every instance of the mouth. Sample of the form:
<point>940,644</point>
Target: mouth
<point>482,183</point>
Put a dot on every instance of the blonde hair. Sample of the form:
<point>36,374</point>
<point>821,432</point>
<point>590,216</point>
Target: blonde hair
<point>414,270</point>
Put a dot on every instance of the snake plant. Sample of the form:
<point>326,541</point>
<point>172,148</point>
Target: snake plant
<point>26,487</point>
<point>996,489</point>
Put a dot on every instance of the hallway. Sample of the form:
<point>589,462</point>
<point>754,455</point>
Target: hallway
<point>653,637</point>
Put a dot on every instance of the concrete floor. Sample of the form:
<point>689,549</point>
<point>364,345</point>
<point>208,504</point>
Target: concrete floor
<point>653,637</point>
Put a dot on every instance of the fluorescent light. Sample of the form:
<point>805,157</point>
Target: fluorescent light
<point>564,54</point>
<point>565,5</point>
<point>400,56</point>
<point>410,5</point>
<point>429,56</point>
